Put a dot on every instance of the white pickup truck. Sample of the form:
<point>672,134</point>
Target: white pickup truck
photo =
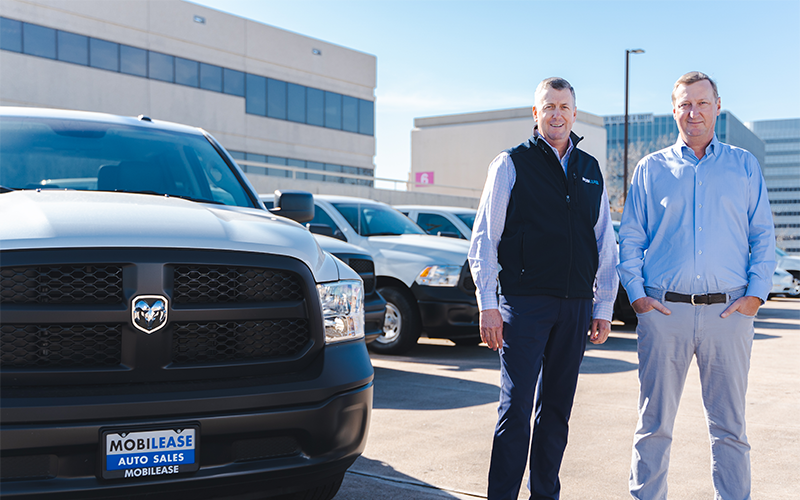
<point>425,279</point>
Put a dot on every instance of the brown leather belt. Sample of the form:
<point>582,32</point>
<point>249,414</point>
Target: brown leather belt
<point>697,299</point>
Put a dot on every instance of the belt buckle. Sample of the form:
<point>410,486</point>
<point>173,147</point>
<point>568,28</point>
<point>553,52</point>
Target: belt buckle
<point>693,299</point>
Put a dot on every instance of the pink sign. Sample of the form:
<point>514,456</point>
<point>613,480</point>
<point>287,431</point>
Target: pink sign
<point>424,178</point>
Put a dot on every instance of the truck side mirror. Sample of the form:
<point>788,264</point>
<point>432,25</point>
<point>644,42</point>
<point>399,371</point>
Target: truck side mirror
<point>295,205</point>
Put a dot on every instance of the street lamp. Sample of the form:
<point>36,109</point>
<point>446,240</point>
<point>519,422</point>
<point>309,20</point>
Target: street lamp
<point>625,154</point>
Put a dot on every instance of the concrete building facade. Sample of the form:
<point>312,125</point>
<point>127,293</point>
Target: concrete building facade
<point>781,167</point>
<point>457,149</point>
<point>268,95</point>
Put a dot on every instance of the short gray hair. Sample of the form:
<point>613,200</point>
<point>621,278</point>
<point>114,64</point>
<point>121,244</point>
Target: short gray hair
<point>694,77</point>
<point>553,83</point>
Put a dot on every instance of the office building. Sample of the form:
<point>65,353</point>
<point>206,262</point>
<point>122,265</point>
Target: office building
<point>268,95</point>
<point>451,154</point>
<point>781,167</point>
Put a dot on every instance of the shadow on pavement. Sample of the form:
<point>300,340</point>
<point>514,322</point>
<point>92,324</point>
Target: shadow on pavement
<point>371,479</point>
<point>591,364</point>
<point>400,390</point>
<point>455,358</point>
<point>613,343</point>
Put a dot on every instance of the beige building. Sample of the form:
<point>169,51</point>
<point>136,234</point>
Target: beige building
<point>268,95</point>
<point>452,152</point>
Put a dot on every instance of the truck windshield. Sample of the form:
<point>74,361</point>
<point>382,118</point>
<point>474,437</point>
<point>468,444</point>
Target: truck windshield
<point>468,219</point>
<point>56,153</point>
<point>376,220</point>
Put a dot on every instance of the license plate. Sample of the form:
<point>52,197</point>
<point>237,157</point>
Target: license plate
<point>150,453</point>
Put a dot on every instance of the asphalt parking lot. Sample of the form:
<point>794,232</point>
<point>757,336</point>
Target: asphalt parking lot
<point>434,412</point>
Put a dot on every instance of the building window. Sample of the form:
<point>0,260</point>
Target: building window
<point>187,72</point>
<point>259,158</point>
<point>210,77</point>
<point>263,96</point>
<point>296,100</point>
<point>132,61</point>
<point>276,99</point>
<point>39,41</point>
<point>333,110</point>
<point>366,117</point>
<point>349,114</point>
<point>233,82</point>
<point>256,95</point>
<point>315,107</point>
<point>73,48</point>
<point>103,54</point>
<point>10,35</point>
<point>161,67</point>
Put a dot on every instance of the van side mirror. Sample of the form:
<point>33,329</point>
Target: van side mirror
<point>295,205</point>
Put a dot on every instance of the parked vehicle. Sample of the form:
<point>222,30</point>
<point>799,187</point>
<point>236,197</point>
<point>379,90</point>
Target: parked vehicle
<point>163,335</point>
<point>791,264</point>
<point>783,283</point>
<point>454,222</point>
<point>425,279</point>
<point>361,262</point>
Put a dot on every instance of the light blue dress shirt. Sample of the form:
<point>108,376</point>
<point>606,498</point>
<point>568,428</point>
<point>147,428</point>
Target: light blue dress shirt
<point>490,223</point>
<point>697,226</point>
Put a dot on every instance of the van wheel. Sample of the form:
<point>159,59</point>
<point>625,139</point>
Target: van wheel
<point>401,325</point>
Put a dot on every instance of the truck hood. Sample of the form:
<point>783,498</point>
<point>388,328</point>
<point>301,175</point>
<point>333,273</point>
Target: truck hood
<point>405,256</point>
<point>87,219</point>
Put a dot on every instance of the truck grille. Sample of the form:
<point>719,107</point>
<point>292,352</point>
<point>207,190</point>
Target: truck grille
<point>215,284</point>
<point>366,269</point>
<point>65,346</point>
<point>67,316</point>
<point>66,284</point>
<point>201,343</point>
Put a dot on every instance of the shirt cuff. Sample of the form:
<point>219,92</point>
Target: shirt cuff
<point>635,292</point>
<point>759,290</point>
<point>603,310</point>
<point>487,300</point>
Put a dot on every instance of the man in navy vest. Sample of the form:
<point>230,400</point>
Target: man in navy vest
<point>544,218</point>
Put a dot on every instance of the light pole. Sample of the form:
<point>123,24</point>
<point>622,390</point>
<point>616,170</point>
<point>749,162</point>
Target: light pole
<point>625,154</point>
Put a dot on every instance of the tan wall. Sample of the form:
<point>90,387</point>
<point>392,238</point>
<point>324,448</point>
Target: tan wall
<point>224,40</point>
<point>459,148</point>
<point>267,185</point>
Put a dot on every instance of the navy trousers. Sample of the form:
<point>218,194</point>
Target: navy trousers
<point>543,343</point>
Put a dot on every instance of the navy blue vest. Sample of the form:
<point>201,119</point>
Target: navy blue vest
<point>548,246</point>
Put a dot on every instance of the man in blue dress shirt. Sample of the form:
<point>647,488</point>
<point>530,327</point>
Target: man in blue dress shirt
<point>697,253</point>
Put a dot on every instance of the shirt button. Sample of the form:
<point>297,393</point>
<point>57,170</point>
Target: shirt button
<point>700,252</point>
<point>698,276</point>
<point>700,206</point>
<point>700,183</point>
<point>699,228</point>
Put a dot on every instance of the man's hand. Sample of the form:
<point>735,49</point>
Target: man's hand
<point>600,330</point>
<point>492,328</point>
<point>645,304</point>
<point>746,305</point>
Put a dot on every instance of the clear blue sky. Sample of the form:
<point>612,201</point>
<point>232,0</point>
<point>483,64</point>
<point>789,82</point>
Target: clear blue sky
<point>447,56</point>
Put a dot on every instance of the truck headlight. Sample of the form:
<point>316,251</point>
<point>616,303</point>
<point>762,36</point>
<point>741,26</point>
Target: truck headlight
<point>342,310</point>
<point>439,276</point>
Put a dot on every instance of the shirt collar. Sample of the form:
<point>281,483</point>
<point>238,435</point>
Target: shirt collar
<point>537,135</point>
<point>682,149</point>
